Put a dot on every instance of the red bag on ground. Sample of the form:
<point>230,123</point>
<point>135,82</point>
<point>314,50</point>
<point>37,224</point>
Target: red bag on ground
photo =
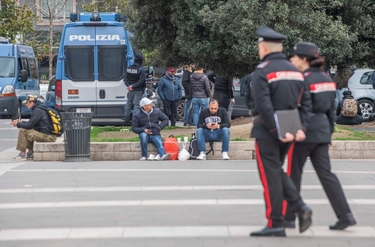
<point>171,147</point>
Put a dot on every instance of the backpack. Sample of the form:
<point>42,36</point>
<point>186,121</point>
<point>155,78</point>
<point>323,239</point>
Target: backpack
<point>349,108</point>
<point>193,149</point>
<point>57,127</point>
<point>171,147</point>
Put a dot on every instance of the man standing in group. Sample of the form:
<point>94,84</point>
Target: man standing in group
<point>188,70</point>
<point>201,91</point>
<point>38,128</point>
<point>169,90</point>
<point>277,85</point>
<point>135,82</point>
<point>147,123</point>
<point>223,90</point>
<point>213,125</point>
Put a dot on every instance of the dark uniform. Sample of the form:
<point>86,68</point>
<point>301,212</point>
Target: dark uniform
<point>276,85</point>
<point>318,136</point>
<point>134,77</point>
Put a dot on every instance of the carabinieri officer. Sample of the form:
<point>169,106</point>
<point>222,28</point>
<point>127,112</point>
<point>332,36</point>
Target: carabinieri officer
<point>277,85</point>
<point>306,58</point>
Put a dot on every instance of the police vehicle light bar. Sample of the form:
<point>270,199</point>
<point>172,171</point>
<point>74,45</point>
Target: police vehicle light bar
<point>95,17</point>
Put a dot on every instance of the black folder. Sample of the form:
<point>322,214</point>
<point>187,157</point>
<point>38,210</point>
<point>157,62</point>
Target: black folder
<point>287,121</point>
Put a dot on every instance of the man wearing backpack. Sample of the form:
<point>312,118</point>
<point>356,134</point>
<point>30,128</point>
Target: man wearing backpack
<point>38,128</point>
<point>348,111</point>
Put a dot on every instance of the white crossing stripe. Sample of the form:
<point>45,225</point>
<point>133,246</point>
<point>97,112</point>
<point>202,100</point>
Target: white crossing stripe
<point>168,170</point>
<point>170,232</point>
<point>124,203</point>
<point>168,188</point>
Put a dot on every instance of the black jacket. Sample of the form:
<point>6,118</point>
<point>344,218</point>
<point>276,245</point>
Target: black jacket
<point>322,119</point>
<point>155,121</point>
<point>276,85</point>
<point>224,85</point>
<point>39,119</point>
<point>221,113</point>
<point>186,84</point>
<point>135,78</point>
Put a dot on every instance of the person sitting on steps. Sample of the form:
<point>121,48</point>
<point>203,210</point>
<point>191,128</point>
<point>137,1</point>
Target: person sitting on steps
<point>147,123</point>
<point>213,125</point>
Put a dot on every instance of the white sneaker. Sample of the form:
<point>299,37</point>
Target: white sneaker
<point>143,158</point>
<point>225,156</point>
<point>151,157</point>
<point>202,156</point>
<point>157,157</point>
<point>165,157</point>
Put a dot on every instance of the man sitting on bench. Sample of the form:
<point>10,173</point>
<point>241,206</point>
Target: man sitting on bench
<point>213,126</point>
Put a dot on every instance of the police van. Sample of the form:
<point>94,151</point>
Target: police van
<point>19,76</point>
<point>94,52</point>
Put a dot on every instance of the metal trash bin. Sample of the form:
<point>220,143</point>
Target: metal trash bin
<point>77,130</point>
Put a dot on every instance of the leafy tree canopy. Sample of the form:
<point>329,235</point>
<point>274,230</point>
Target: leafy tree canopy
<point>220,35</point>
<point>15,20</point>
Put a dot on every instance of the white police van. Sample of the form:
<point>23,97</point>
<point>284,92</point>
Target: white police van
<point>93,56</point>
<point>19,76</point>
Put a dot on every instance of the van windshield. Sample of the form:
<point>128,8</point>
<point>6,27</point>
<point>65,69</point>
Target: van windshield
<point>7,67</point>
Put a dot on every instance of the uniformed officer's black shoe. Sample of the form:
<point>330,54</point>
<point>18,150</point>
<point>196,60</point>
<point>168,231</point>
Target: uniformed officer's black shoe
<point>269,232</point>
<point>289,224</point>
<point>304,218</point>
<point>343,222</point>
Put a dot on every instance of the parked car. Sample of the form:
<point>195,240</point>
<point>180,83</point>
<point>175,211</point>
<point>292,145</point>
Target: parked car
<point>361,86</point>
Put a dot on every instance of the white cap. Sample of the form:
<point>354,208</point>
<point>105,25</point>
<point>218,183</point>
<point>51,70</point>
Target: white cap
<point>145,101</point>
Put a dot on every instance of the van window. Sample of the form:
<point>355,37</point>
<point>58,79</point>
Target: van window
<point>79,63</point>
<point>33,68</point>
<point>25,64</point>
<point>111,61</point>
<point>7,67</point>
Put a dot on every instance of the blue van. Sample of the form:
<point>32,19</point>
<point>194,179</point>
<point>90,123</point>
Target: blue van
<point>19,77</point>
<point>93,55</point>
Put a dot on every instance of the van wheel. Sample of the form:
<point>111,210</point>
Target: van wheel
<point>18,114</point>
<point>367,109</point>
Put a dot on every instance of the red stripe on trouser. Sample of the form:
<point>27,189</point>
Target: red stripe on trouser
<point>263,179</point>
<point>288,172</point>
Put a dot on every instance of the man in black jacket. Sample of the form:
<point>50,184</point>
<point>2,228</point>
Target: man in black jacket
<point>188,70</point>
<point>134,80</point>
<point>277,85</point>
<point>223,91</point>
<point>147,123</point>
<point>213,125</point>
<point>38,128</point>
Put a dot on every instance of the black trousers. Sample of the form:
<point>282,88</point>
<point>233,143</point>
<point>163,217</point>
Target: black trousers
<point>318,153</point>
<point>277,185</point>
<point>170,109</point>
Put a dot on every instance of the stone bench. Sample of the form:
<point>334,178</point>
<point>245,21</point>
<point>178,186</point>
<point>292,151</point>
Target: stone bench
<point>238,150</point>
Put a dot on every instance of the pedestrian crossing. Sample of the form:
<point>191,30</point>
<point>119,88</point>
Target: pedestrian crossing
<point>154,201</point>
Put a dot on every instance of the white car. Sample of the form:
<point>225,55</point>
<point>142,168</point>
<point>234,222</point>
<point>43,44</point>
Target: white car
<point>361,86</point>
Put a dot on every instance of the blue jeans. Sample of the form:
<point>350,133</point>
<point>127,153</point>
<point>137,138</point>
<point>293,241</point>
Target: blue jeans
<point>134,97</point>
<point>187,111</point>
<point>198,105</point>
<point>218,135</point>
<point>155,140</point>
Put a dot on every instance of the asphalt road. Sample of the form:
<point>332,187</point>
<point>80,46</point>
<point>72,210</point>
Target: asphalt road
<point>190,203</point>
